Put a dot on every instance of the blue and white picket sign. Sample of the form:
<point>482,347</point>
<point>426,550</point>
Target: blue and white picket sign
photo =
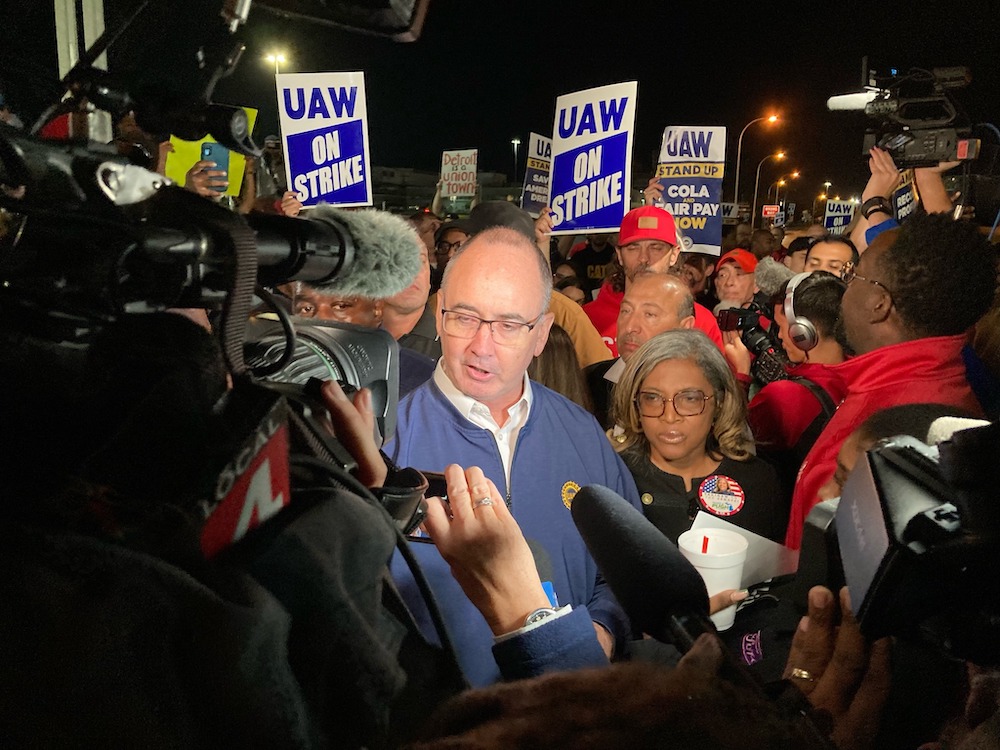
<point>591,178</point>
<point>838,216</point>
<point>535,193</point>
<point>691,165</point>
<point>904,198</point>
<point>324,125</point>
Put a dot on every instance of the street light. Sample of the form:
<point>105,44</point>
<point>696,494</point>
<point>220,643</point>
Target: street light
<point>739,153</point>
<point>756,188</point>
<point>827,186</point>
<point>515,142</point>
<point>276,58</point>
<point>779,183</point>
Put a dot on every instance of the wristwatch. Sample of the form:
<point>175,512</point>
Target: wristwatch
<point>538,615</point>
<point>878,203</point>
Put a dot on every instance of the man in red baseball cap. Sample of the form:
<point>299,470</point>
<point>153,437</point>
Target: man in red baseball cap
<point>734,277</point>
<point>647,238</point>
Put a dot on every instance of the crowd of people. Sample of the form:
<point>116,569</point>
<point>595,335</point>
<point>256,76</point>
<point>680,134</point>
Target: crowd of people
<point>533,366</point>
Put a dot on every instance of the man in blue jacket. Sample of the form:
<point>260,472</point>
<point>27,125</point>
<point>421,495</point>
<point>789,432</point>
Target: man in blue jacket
<point>537,447</point>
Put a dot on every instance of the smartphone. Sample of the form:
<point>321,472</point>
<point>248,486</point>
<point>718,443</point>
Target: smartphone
<point>438,485</point>
<point>211,151</point>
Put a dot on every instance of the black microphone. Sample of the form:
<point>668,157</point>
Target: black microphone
<point>661,591</point>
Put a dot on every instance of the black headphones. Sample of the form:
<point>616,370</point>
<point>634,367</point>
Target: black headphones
<point>801,330</point>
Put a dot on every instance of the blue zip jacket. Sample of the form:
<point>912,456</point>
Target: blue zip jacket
<point>560,449</point>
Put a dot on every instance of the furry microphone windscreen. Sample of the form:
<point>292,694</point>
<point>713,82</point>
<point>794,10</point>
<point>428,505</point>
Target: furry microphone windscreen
<point>387,253</point>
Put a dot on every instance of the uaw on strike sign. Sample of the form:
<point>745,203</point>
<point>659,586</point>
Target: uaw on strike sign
<point>324,124</point>
<point>589,188</point>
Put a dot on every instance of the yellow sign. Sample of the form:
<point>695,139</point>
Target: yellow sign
<point>186,153</point>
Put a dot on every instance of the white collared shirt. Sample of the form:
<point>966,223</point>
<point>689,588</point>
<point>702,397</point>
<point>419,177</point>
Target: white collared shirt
<point>479,414</point>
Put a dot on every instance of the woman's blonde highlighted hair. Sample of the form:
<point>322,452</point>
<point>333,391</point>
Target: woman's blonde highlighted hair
<point>729,436</point>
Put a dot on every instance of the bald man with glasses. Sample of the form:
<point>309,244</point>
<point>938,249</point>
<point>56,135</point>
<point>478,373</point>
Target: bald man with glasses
<point>481,409</point>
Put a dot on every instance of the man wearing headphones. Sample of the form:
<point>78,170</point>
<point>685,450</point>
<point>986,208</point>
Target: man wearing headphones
<point>786,416</point>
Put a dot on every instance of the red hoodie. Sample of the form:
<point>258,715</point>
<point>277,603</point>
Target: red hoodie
<point>929,370</point>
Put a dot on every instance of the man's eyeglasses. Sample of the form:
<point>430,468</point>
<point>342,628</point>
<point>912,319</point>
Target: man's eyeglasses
<point>462,325</point>
<point>446,248</point>
<point>689,403</point>
<point>849,274</point>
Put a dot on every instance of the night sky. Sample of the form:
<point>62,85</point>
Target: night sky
<point>484,72</point>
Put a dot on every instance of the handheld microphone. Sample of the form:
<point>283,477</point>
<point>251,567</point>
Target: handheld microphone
<point>367,253</point>
<point>662,592</point>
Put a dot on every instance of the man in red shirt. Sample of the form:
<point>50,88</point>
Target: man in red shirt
<point>647,238</point>
<point>909,304</point>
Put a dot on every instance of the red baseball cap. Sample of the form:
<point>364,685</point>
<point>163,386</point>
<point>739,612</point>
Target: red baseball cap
<point>647,223</point>
<point>743,258</point>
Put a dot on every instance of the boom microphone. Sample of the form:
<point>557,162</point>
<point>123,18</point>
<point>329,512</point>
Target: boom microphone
<point>851,102</point>
<point>367,253</point>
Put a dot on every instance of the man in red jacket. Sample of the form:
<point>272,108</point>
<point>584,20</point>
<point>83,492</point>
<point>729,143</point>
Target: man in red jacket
<point>647,238</point>
<point>909,304</point>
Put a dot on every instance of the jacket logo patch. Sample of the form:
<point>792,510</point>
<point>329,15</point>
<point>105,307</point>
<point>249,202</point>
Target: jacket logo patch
<point>569,491</point>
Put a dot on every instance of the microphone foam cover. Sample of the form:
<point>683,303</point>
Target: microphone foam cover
<point>386,255</point>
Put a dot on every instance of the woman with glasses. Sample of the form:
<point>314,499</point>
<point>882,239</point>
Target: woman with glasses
<point>681,429</point>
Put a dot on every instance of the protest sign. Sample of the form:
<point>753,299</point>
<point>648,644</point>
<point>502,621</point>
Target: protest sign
<point>590,182</point>
<point>692,161</point>
<point>324,125</point>
<point>904,198</point>
<point>458,173</point>
<point>535,193</point>
<point>184,154</point>
<point>838,216</point>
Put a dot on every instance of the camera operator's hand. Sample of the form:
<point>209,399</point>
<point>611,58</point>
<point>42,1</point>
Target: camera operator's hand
<point>838,670</point>
<point>290,203</point>
<point>653,191</point>
<point>885,175</point>
<point>736,352</point>
<point>354,425</point>
<point>930,185</point>
<point>202,179</point>
<point>486,550</point>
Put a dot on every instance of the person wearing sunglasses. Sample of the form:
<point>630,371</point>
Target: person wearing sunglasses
<point>681,428</point>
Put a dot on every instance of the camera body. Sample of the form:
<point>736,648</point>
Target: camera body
<point>918,122</point>
<point>769,358</point>
<point>914,537</point>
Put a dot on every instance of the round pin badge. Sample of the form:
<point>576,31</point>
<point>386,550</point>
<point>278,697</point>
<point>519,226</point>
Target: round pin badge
<point>569,490</point>
<point>721,495</point>
<point>646,498</point>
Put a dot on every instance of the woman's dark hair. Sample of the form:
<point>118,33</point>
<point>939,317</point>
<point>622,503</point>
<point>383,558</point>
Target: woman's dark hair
<point>558,368</point>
